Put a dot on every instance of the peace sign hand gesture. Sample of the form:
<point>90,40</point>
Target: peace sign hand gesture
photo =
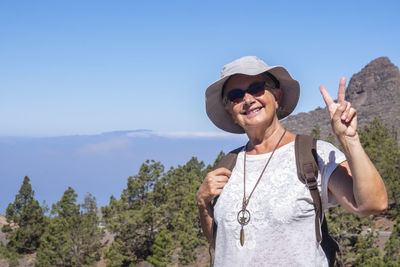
<point>343,116</point>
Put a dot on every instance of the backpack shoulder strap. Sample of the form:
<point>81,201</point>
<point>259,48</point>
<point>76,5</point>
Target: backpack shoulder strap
<point>307,171</point>
<point>229,160</point>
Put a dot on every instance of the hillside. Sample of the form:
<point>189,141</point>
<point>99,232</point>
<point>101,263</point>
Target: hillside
<point>2,222</point>
<point>373,92</point>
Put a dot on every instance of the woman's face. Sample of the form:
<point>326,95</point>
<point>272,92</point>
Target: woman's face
<point>253,111</point>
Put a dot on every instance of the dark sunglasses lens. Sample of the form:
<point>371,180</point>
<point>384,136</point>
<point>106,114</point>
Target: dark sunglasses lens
<point>256,89</point>
<point>236,96</point>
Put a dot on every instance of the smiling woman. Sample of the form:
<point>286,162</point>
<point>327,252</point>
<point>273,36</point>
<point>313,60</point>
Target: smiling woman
<point>255,107</point>
<point>264,216</point>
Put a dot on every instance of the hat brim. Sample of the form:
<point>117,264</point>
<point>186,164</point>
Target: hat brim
<point>216,110</point>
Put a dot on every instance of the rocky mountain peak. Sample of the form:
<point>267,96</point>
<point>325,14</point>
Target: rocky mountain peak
<point>377,82</point>
<point>374,92</point>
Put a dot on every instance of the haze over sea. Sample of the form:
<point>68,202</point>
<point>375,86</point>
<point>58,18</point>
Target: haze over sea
<point>98,164</point>
<point>74,75</point>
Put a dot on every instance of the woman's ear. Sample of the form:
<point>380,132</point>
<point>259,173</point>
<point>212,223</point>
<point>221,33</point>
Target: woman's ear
<point>278,98</point>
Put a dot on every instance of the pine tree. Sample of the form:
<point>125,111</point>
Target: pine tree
<point>137,192</point>
<point>162,249</point>
<point>26,221</point>
<point>73,237</point>
<point>134,219</point>
<point>182,187</point>
<point>331,139</point>
<point>118,255</point>
<point>87,235</point>
<point>366,252</point>
<point>154,206</point>
<point>316,132</point>
<point>392,246</point>
<point>345,228</point>
<point>380,143</point>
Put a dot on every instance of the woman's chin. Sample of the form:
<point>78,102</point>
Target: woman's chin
<point>257,123</point>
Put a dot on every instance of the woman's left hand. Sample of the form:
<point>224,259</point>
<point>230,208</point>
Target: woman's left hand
<point>343,116</point>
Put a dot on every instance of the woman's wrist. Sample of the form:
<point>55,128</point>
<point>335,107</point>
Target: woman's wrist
<point>350,144</point>
<point>202,203</point>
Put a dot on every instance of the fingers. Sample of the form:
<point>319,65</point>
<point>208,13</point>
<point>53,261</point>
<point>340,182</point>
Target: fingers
<point>218,178</point>
<point>222,171</point>
<point>340,112</point>
<point>342,90</point>
<point>327,98</point>
<point>349,113</point>
<point>346,109</point>
<point>345,112</point>
<point>330,104</point>
<point>213,184</point>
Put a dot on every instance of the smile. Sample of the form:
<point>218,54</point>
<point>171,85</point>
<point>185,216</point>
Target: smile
<point>252,111</point>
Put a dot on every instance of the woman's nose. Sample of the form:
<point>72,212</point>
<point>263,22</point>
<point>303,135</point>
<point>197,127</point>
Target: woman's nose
<point>248,98</point>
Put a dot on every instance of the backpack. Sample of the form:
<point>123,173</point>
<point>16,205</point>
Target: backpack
<point>307,172</point>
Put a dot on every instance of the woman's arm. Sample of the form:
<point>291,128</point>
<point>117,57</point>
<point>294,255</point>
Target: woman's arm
<point>355,183</point>
<point>210,188</point>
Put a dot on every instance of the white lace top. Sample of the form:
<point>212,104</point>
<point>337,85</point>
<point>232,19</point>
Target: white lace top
<point>281,229</point>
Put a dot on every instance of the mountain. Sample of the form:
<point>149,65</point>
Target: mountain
<point>373,92</point>
<point>98,164</point>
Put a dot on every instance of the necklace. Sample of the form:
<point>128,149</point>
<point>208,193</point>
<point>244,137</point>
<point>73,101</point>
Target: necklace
<point>243,216</point>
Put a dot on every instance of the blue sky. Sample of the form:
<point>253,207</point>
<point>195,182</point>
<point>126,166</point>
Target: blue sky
<point>86,67</point>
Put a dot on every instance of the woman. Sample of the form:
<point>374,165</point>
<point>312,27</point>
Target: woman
<point>265,216</point>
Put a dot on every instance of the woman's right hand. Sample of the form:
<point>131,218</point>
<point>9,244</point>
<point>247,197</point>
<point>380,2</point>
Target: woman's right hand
<point>212,185</point>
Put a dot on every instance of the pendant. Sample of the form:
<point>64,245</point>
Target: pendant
<point>242,236</point>
<point>243,218</point>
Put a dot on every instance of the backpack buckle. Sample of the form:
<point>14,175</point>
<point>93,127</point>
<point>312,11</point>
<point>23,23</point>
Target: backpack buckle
<point>311,183</point>
<point>309,173</point>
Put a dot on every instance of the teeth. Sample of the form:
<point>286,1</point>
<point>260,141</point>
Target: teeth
<point>253,111</point>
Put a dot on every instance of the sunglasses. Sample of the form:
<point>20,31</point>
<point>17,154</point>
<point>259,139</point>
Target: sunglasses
<point>236,96</point>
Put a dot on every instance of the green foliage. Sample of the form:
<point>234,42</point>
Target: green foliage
<point>10,254</point>
<point>380,143</point>
<point>134,219</point>
<point>73,237</point>
<point>26,221</point>
<point>331,139</point>
<point>392,246</point>
<point>117,255</point>
<point>316,132</point>
<point>156,214</point>
<point>2,250</point>
<point>365,252</point>
<point>137,192</point>
<point>185,223</point>
<point>13,259</point>
<point>55,244</point>
<point>346,229</point>
<point>162,249</point>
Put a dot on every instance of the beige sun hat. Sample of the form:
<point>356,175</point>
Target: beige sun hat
<point>249,65</point>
